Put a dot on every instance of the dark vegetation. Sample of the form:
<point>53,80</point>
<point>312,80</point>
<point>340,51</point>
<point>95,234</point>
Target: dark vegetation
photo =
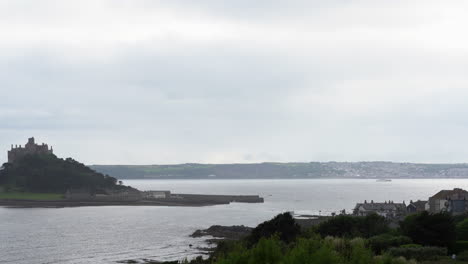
<point>284,170</point>
<point>420,238</point>
<point>430,229</point>
<point>47,173</point>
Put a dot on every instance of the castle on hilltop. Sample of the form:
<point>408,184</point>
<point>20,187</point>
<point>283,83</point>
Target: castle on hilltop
<point>31,147</point>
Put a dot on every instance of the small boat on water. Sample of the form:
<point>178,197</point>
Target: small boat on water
<point>384,180</point>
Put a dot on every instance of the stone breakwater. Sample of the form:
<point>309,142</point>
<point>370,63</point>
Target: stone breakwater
<point>222,199</point>
<point>173,200</point>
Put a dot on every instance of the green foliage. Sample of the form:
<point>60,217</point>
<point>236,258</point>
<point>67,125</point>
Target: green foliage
<point>354,226</point>
<point>269,245</point>
<point>380,243</point>
<point>459,218</point>
<point>387,259</point>
<point>463,256</point>
<point>462,230</point>
<point>459,246</point>
<point>311,251</point>
<point>283,225</point>
<point>430,229</point>
<point>421,253</point>
<point>266,251</point>
<point>359,253</point>
<point>410,246</point>
<point>308,251</point>
<point>47,173</point>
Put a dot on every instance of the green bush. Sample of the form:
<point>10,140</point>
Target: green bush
<point>307,251</point>
<point>410,246</point>
<point>383,242</point>
<point>387,259</point>
<point>282,225</point>
<point>354,226</point>
<point>460,246</point>
<point>463,256</point>
<point>421,253</point>
<point>430,229</point>
<point>462,230</point>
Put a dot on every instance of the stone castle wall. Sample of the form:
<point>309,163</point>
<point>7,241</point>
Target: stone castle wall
<point>31,147</point>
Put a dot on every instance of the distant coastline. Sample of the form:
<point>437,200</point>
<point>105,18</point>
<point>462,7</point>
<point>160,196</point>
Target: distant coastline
<point>271,170</point>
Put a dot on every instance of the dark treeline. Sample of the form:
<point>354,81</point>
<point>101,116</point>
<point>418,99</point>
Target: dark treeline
<point>47,173</point>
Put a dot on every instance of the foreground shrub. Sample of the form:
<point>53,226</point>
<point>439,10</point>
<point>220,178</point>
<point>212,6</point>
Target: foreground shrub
<point>359,252</point>
<point>380,243</point>
<point>430,229</point>
<point>312,251</point>
<point>308,251</point>
<point>387,259</point>
<point>410,246</point>
<point>462,230</point>
<point>460,246</point>
<point>421,253</point>
<point>283,225</point>
<point>463,256</point>
<point>353,226</point>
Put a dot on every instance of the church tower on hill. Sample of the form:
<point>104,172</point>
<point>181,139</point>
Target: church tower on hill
<point>31,147</point>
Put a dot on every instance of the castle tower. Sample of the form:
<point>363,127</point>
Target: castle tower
<point>31,148</point>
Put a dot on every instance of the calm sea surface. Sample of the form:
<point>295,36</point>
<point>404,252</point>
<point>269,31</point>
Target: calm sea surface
<point>114,233</point>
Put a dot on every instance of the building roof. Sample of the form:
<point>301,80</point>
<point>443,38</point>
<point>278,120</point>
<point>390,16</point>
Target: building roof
<point>421,205</point>
<point>445,194</point>
<point>386,206</point>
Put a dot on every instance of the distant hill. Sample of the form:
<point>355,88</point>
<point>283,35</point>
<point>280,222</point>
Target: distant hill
<point>286,170</point>
<point>47,173</point>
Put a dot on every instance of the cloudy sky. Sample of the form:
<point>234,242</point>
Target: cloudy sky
<point>158,82</point>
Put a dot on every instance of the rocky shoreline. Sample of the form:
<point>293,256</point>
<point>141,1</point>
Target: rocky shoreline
<point>216,233</point>
<point>223,232</point>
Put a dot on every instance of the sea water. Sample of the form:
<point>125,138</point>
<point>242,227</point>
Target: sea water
<point>115,233</point>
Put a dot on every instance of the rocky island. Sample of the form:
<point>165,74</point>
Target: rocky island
<point>35,177</point>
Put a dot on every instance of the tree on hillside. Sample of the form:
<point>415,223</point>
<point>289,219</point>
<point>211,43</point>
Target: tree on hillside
<point>354,226</point>
<point>282,225</point>
<point>430,229</point>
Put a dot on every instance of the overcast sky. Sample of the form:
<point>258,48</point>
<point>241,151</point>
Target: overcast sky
<point>159,82</point>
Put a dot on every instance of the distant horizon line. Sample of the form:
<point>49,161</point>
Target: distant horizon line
<point>283,162</point>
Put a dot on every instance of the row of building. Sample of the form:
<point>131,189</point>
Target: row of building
<point>453,201</point>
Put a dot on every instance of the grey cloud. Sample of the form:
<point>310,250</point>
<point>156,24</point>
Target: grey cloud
<point>331,93</point>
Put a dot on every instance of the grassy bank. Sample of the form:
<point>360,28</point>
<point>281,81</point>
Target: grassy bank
<point>31,196</point>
